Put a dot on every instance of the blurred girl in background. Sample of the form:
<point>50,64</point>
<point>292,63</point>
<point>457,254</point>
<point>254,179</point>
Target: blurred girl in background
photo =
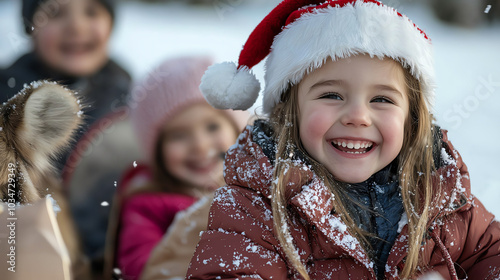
<point>184,139</point>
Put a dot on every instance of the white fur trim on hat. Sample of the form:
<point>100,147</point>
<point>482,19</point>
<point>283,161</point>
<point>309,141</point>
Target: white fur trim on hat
<point>334,32</point>
<point>227,87</point>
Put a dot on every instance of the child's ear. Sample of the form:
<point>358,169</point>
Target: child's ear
<point>51,115</point>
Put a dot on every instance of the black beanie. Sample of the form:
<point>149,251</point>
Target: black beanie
<point>30,7</point>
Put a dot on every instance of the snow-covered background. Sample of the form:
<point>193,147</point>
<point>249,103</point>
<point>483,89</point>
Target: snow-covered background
<point>467,64</point>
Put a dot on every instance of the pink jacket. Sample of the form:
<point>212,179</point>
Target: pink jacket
<point>240,242</point>
<point>144,219</point>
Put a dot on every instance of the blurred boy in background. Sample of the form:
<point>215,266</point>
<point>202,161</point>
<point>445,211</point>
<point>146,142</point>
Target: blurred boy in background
<point>70,45</point>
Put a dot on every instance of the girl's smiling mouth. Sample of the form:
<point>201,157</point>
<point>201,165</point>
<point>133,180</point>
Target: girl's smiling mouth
<point>77,48</point>
<point>352,146</point>
<point>204,166</point>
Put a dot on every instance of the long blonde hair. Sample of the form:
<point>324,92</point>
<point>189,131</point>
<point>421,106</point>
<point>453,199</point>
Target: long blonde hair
<point>415,167</point>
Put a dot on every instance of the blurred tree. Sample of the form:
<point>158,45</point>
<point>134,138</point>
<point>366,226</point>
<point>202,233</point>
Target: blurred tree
<point>467,13</point>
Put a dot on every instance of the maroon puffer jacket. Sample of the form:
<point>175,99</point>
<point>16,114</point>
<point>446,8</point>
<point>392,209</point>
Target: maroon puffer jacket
<point>240,241</point>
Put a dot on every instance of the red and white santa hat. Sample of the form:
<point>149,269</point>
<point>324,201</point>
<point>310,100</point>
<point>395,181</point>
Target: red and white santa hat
<point>298,36</point>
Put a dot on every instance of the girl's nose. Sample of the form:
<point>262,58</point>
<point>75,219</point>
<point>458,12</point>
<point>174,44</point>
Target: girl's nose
<point>201,145</point>
<point>357,115</point>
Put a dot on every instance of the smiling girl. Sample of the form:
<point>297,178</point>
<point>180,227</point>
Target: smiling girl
<point>348,178</point>
<point>353,113</point>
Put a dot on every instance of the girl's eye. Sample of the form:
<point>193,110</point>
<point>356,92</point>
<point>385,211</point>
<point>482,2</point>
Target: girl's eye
<point>382,99</point>
<point>176,136</point>
<point>213,127</point>
<point>331,95</point>
<point>92,11</point>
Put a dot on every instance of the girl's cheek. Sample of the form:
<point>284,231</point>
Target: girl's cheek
<point>226,138</point>
<point>224,146</point>
<point>172,153</point>
<point>46,36</point>
<point>101,30</point>
<point>314,125</point>
<point>394,131</point>
<point>47,42</point>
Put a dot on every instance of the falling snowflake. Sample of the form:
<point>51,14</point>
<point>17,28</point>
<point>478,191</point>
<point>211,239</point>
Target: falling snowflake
<point>135,164</point>
<point>104,203</point>
<point>487,10</point>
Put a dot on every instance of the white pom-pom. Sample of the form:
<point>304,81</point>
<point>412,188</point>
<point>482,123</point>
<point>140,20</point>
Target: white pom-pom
<point>227,87</point>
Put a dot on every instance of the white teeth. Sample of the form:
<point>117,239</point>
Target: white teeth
<point>356,152</point>
<point>353,145</point>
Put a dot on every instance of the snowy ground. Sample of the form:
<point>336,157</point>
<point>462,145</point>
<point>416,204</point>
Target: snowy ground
<point>468,75</point>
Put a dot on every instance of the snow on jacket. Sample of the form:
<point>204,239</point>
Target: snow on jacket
<point>240,242</point>
<point>144,219</point>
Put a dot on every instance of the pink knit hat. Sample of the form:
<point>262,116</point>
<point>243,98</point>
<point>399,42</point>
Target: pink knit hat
<point>169,88</point>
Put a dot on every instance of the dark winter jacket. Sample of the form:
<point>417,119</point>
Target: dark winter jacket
<point>377,209</point>
<point>104,91</point>
<point>240,241</point>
